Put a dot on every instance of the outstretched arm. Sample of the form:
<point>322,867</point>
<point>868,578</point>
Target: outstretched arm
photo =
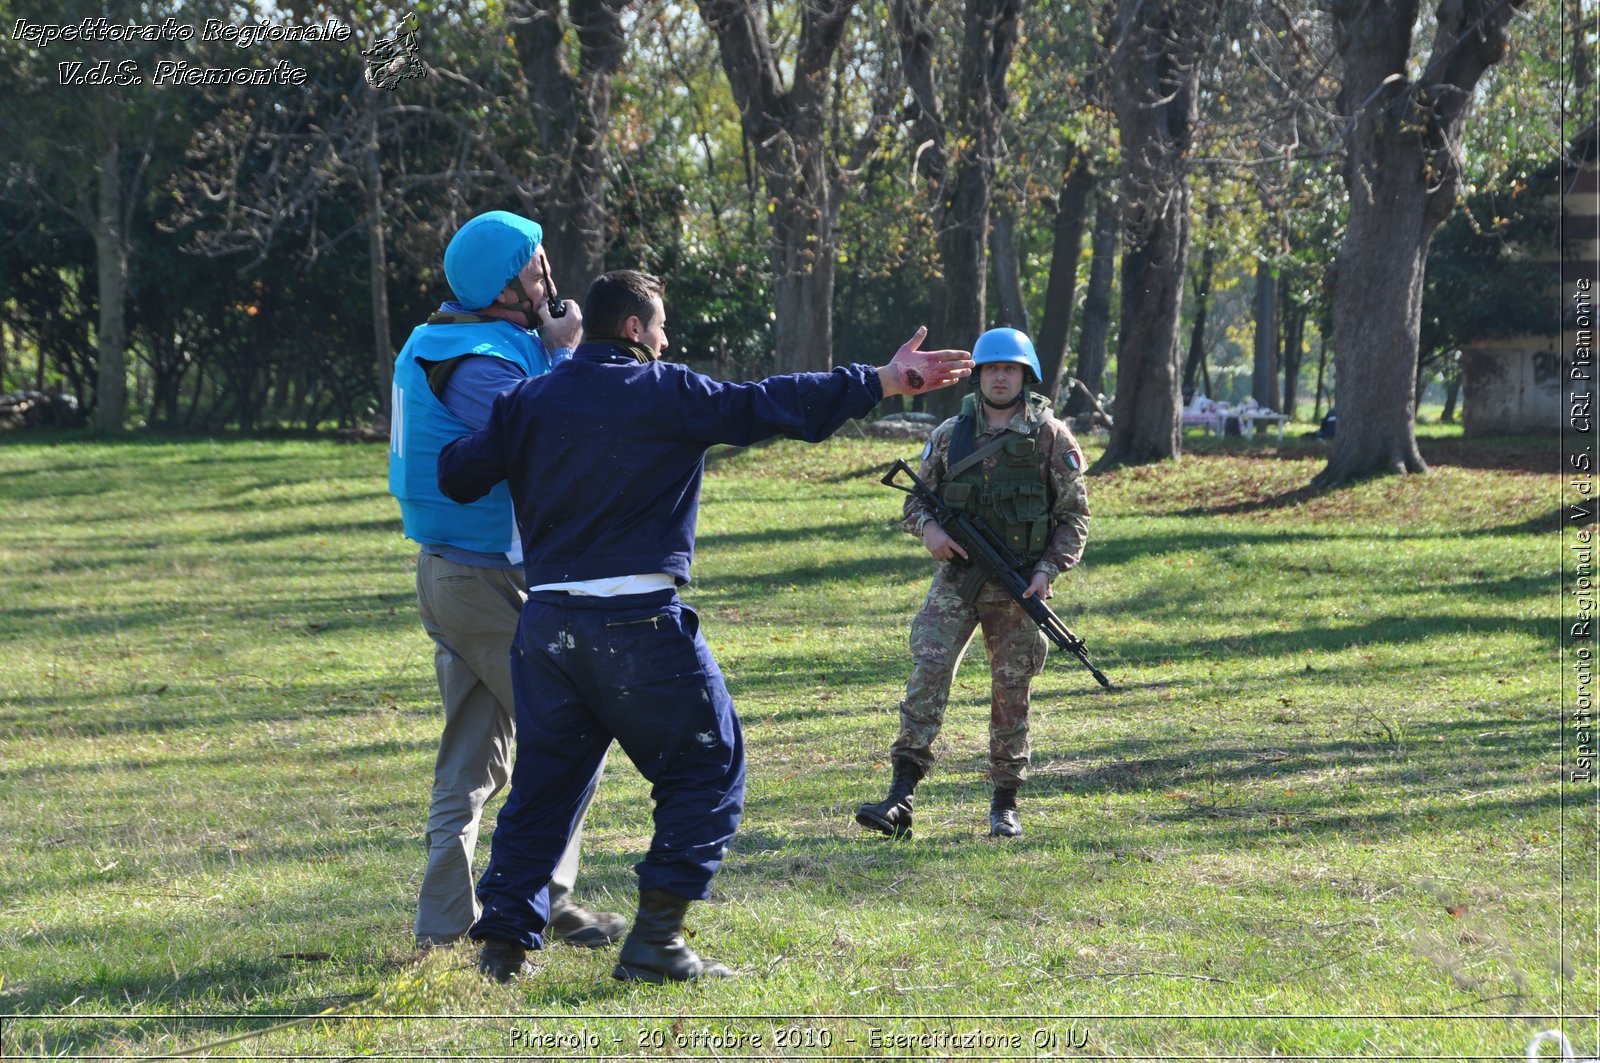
<point>917,372</point>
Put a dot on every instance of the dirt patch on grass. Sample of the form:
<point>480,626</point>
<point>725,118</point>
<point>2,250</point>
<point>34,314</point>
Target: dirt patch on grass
<point>1271,486</point>
<point>1511,455</point>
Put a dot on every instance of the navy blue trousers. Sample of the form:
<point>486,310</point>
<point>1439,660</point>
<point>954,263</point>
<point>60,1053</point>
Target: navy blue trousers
<point>586,670</point>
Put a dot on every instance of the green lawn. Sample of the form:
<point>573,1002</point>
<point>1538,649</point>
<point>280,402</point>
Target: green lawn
<point>1322,817</point>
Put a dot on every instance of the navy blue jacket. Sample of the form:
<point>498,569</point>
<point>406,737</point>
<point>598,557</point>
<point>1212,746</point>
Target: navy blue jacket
<point>604,454</point>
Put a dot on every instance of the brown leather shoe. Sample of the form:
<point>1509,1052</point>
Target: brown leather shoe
<point>503,960</point>
<point>572,925</point>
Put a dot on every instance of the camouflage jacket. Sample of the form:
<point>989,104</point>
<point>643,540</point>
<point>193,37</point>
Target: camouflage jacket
<point>1061,462</point>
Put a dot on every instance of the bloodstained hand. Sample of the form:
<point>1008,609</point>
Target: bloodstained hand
<point>917,372</point>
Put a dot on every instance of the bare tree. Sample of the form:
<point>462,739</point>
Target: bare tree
<point>573,107</point>
<point>1072,203</point>
<point>1402,169</point>
<point>1012,311</point>
<point>1194,363</point>
<point>1157,47</point>
<point>958,140</point>
<point>1264,374</point>
<point>87,153</point>
<point>786,128</point>
<point>1097,294</point>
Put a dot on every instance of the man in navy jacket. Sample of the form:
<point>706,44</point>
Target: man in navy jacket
<point>604,456</point>
<point>469,562</point>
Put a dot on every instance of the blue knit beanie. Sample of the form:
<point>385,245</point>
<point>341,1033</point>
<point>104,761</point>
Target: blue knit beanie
<point>486,253</point>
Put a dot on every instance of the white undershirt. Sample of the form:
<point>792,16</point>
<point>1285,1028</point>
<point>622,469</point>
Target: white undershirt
<point>611,586</point>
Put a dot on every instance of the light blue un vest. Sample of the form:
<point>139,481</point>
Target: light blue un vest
<point>420,426</point>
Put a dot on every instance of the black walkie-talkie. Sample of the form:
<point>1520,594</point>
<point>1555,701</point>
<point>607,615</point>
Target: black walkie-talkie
<point>556,307</point>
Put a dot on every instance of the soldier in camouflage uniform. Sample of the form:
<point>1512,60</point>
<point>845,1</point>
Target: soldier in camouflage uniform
<point>1006,459</point>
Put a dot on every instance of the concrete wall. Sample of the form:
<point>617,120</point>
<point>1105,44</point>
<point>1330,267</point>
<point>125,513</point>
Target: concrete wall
<point>1513,387</point>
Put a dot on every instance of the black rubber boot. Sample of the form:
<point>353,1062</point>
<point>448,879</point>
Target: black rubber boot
<point>892,815</point>
<point>503,960</point>
<point>655,950</point>
<point>572,925</point>
<point>1003,822</point>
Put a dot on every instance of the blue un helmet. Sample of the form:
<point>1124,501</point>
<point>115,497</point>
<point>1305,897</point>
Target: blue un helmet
<point>1006,345</point>
<point>487,253</point>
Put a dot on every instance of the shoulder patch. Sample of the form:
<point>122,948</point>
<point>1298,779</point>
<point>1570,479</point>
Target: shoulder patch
<point>1075,459</point>
<point>927,449</point>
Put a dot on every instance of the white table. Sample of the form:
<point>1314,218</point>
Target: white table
<point>1249,419</point>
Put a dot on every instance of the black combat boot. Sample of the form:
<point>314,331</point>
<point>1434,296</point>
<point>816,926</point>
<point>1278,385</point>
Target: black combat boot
<point>572,925</point>
<point>655,950</point>
<point>892,815</point>
<point>1003,822</point>
<point>503,960</point>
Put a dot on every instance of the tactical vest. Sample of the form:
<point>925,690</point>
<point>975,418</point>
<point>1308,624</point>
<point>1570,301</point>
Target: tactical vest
<point>1012,497</point>
<point>420,426</point>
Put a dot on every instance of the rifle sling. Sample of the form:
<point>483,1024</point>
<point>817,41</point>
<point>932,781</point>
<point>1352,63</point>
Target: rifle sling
<point>975,578</point>
<point>976,456</point>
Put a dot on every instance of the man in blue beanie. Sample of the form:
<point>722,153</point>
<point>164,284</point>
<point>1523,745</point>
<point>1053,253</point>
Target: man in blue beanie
<point>469,569</point>
<point>604,457</point>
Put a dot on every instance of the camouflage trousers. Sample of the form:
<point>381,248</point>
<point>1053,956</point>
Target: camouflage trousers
<point>940,635</point>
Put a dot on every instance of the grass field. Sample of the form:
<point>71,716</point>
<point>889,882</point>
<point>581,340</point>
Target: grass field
<point>1323,817</point>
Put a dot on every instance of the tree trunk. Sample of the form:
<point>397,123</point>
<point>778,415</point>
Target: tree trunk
<point>785,128</point>
<point>1264,377</point>
<point>1402,171</point>
<point>1013,313</point>
<point>1066,243</point>
<point>957,151</point>
<point>963,247</point>
<point>166,377</point>
<point>1196,357</point>
<point>1452,392</point>
<point>802,245</point>
<point>111,260</point>
<point>1322,365</point>
<point>1578,29</point>
<point>1147,412</point>
<point>1097,297</point>
<point>378,263</point>
<point>573,109</point>
<point>1158,49</point>
<point>194,398</point>
<point>802,333</point>
<point>1376,320</point>
<point>1294,330</point>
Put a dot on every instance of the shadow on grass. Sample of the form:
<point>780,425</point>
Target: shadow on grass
<point>353,611</point>
<point>853,531</point>
<point>1266,504</point>
<point>799,665</point>
<point>268,976</point>
<point>310,531</point>
<point>1395,631</point>
<point>1457,776</point>
<point>72,1037</point>
<point>229,986</point>
<point>730,590</point>
<point>193,704</point>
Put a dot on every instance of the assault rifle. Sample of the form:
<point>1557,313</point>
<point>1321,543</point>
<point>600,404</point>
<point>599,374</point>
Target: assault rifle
<point>994,558</point>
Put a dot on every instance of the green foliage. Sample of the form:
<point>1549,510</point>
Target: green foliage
<point>1489,272</point>
<point>1321,817</point>
<point>250,303</point>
